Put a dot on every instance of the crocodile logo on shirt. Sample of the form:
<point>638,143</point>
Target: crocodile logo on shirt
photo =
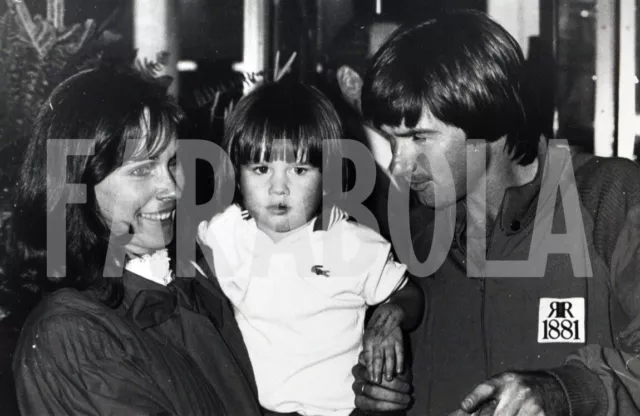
<point>317,269</point>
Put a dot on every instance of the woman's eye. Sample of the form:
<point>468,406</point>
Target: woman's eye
<point>141,170</point>
<point>173,162</point>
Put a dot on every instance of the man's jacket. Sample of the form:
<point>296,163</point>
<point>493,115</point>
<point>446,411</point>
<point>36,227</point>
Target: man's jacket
<point>569,306</point>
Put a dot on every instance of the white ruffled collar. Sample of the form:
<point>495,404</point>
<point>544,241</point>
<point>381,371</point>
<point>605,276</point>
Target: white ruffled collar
<point>155,267</point>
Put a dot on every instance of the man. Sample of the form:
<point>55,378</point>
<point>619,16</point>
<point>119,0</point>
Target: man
<point>536,308</point>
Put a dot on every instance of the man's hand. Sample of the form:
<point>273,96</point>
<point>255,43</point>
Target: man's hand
<point>383,346</point>
<point>517,394</point>
<point>387,396</point>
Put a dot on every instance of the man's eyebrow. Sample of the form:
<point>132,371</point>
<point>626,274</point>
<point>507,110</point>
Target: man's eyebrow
<point>414,132</point>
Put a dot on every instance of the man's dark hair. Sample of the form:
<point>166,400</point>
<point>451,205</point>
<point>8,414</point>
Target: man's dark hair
<point>463,67</point>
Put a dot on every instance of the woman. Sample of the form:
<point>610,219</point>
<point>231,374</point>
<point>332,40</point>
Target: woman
<point>114,330</point>
<point>109,326</point>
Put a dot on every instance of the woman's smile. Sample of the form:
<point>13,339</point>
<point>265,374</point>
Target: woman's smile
<point>159,216</point>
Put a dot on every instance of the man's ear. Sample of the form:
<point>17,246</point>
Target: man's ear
<point>350,84</point>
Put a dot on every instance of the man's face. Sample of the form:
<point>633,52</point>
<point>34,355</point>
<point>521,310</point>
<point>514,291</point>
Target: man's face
<point>432,158</point>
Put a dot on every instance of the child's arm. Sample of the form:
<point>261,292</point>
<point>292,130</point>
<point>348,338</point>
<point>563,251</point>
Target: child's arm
<point>383,340</point>
<point>410,300</point>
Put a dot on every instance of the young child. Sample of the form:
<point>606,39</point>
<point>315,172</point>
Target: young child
<point>299,275</point>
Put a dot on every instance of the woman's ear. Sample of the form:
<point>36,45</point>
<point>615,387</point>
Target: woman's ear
<point>350,84</point>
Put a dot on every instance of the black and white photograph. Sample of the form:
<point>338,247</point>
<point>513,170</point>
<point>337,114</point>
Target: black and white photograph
<point>319,207</point>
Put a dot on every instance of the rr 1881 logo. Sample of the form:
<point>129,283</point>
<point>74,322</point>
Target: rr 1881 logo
<point>561,320</point>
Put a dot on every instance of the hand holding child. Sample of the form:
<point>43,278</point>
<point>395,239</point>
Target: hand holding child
<point>383,343</point>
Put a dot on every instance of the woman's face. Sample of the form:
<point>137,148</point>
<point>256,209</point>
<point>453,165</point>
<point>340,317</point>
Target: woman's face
<point>141,195</point>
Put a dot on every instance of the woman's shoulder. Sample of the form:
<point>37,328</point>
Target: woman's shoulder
<point>65,302</point>
<point>68,314</point>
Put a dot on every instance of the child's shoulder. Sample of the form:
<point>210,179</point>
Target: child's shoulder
<point>221,223</point>
<point>354,230</point>
<point>338,221</point>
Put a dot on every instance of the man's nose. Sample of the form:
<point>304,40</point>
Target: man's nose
<point>403,162</point>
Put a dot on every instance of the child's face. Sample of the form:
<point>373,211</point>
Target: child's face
<point>281,196</point>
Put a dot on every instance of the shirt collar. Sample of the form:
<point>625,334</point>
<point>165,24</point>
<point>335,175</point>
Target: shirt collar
<point>149,304</point>
<point>155,267</point>
<point>134,284</point>
<point>520,203</point>
<point>328,218</point>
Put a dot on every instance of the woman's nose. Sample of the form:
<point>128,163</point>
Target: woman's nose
<point>170,185</point>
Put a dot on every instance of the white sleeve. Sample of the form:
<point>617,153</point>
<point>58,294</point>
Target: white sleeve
<point>368,255</point>
<point>385,276</point>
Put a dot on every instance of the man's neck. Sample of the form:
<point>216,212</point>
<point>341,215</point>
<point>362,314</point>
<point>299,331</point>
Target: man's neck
<point>502,173</point>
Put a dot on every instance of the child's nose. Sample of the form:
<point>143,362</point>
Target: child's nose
<point>279,185</point>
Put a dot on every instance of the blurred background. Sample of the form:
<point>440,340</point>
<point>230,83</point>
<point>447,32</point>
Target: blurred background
<point>584,54</point>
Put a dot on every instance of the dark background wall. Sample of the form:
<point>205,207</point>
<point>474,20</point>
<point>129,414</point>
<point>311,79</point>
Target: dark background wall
<point>211,29</point>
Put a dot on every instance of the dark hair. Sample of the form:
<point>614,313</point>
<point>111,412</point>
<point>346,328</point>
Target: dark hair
<point>282,119</point>
<point>108,107</point>
<point>466,70</point>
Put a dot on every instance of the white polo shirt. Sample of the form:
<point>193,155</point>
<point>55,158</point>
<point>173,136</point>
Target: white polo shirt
<point>300,304</point>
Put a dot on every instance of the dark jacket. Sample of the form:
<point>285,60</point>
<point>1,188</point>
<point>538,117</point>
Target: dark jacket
<point>482,325</point>
<point>172,350</point>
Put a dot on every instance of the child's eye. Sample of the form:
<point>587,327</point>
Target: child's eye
<point>260,170</point>
<point>300,170</point>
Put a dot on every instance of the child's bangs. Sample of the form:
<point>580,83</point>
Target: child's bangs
<point>274,143</point>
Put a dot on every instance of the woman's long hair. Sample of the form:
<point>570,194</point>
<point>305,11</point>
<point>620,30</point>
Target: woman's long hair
<point>91,114</point>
